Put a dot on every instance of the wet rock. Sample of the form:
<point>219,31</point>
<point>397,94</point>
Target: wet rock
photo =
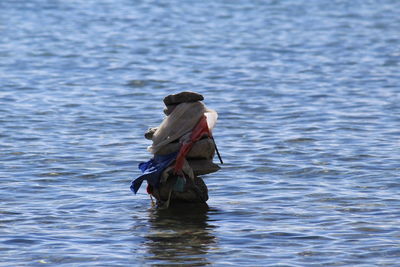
<point>194,191</point>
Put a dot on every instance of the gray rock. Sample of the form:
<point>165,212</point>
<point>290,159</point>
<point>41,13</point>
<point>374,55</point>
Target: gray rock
<point>168,110</point>
<point>169,148</point>
<point>203,166</point>
<point>182,98</point>
<point>202,149</point>
<point>150,132</point>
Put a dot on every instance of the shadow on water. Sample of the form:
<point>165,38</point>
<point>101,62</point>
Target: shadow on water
<point>180,235</point>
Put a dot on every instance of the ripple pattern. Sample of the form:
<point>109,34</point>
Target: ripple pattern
<point>309,115</point>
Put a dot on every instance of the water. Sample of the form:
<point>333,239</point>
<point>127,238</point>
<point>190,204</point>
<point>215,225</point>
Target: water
<point>308,98</point>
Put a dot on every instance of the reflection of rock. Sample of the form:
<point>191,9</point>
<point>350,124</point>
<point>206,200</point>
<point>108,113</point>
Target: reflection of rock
<point>180,235</point>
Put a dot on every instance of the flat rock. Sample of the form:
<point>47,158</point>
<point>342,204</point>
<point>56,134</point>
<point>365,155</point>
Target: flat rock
<point>169,148</point>
<point>182,98</point>
<point>203,166</point>
<point>202,149</point>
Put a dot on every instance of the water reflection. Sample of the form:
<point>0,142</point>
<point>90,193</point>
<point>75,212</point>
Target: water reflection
<point>180,235</point>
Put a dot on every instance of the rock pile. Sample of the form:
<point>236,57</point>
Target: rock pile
<point>183,149</point>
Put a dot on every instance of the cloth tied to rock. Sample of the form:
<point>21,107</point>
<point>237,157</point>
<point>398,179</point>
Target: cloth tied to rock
<point>152,170</point>
<point>198,132</point>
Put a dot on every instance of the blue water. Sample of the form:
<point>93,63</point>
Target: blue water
<point>308,95</point>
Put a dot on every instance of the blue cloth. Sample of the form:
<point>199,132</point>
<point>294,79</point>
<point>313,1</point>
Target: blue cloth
<point>152,170</point>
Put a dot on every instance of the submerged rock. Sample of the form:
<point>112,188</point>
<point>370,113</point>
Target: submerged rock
<point>177,190</point>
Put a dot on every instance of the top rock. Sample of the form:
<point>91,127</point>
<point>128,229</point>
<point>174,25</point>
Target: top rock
<point>182,97</point>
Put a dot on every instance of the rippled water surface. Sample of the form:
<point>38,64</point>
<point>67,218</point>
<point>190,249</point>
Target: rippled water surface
<point>308,95</point>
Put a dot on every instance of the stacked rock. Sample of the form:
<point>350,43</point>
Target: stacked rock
<point>175,136</point>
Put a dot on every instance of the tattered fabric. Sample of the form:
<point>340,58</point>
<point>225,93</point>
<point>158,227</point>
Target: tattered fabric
<point>152,170</point>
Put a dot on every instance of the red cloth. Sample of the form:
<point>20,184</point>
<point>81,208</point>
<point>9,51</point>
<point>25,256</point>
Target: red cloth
<point>200,130</point>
